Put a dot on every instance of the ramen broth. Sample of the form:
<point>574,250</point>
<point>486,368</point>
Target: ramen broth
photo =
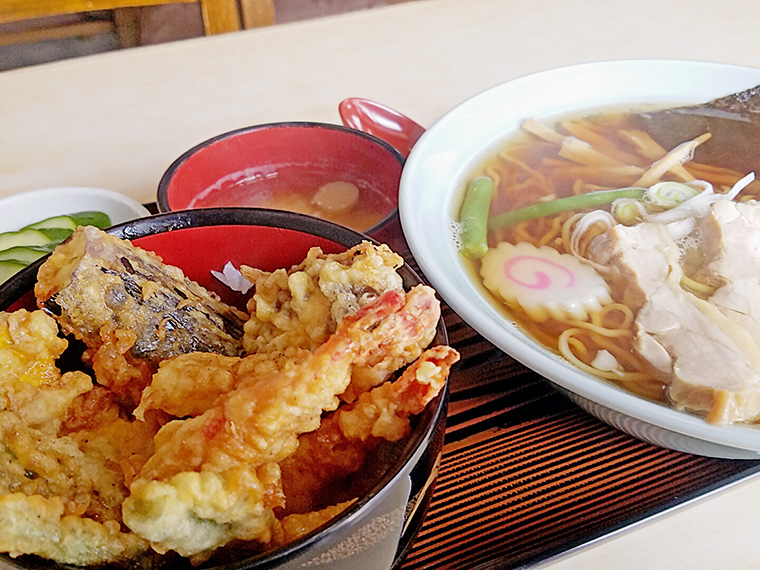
<point>527,170</point>
<point>305,191</point>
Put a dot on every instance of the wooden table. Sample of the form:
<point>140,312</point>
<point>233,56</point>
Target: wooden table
<point>118,120</point>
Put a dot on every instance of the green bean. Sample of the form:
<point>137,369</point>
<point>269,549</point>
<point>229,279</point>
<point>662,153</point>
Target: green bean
<point>579,202</point>
<point>474,217</point>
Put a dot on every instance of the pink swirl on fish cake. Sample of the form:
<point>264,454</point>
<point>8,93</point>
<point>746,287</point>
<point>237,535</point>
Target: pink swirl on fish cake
<point>542,280</point>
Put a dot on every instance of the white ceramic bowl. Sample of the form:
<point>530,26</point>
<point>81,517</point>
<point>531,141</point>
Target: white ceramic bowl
<point>443,158</point>
<point>26,208</point>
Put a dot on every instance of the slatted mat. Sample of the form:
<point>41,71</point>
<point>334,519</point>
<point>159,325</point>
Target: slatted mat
<point>527,475</point>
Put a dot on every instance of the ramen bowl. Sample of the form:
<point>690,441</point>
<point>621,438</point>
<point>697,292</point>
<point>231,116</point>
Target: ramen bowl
<point>449,152</point>
<point>328,171</point>
<point>376,530</point>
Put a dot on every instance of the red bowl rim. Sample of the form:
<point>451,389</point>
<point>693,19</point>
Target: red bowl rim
<point>162,194</point>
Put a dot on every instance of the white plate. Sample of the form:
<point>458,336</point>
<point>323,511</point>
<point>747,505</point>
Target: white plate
<point>25,208</point>
<point>448,152</point>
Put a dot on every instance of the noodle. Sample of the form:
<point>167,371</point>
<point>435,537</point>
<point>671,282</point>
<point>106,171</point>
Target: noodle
<point>629,360</point>
<point>602,331</point>
<point>563,344</point>
<point>555,231</point>
<point>696,287</point>
<point>626,311</point>
<point>534,173</point>
<point>578,345</point>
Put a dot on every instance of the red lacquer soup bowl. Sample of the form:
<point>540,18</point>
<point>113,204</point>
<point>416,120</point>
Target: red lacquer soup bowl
<point>328,171</point>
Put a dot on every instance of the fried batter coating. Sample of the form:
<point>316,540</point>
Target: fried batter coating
<point>302,306</point>
<point>94,279</point>
<point>323,457</point>
<point>38,462</point>
<point>257,425</point>
<point>62,442</point>
<point>199,462</point>
<point>259,421</point>
<point>189,384</point>
<point>29,345</point>
<point>384,411</point>
<point>345,438</point>
<point>95,421</point>
<point>31,384</point>
<point>416,334</point>
<point>117,368</point>
<point>193,513</point>
<point>36,525</point>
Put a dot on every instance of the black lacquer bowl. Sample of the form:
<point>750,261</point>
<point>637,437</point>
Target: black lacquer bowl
<point>378,528</point>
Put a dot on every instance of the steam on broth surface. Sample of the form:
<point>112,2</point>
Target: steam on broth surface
<point>655,218</point>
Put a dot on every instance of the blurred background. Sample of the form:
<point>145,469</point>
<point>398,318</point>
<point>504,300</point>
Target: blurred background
<point>44,40</point>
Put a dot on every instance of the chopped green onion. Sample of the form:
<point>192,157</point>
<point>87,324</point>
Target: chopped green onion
<point>579,202</point>
<point>666,195</point>
<point>474,217</point>
<point>628,211</point>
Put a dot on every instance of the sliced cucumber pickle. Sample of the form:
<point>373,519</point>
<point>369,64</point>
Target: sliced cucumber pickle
<point>35,240</point>
<point>26,238</point>
<point>71,221</point>
<point>23,254</point>
<point>56,235</point>
<point>66,222</point>
<point>9,267</point>
<point>92,218</point>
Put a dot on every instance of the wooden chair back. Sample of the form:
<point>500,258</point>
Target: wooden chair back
<point>219,16</point>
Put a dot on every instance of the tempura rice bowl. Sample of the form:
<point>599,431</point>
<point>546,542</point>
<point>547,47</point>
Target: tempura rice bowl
<point>375,531</point>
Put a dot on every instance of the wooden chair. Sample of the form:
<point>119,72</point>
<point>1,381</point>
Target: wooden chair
<point>257,13</point>
<point>219,16</point>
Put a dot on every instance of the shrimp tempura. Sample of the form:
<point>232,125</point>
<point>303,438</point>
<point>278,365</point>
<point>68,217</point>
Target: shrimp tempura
<point>344,439</point>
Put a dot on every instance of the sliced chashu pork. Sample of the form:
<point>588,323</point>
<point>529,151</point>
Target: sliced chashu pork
<point>729,243</point>
<point>730,238</point>
<point>706,357</point>
<point>712,368</point>
<point>635,261</point>
<point>730,247</point>
<point>740,302</point>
